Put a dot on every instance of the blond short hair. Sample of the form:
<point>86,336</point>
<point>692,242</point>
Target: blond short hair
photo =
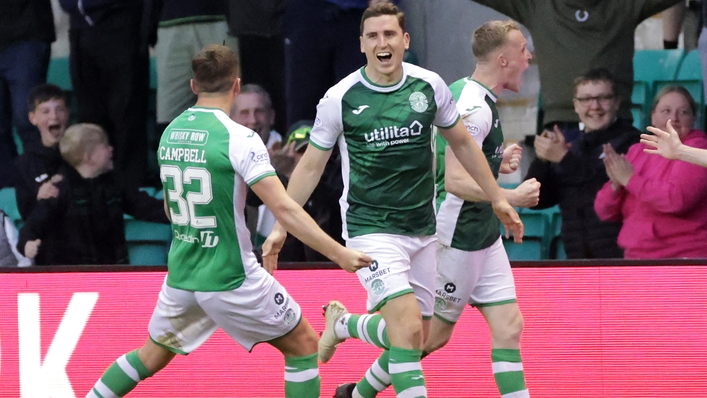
<point>79,140</point>
<point>491,36</point>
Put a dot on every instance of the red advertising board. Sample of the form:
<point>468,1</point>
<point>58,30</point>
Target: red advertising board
<point>612,331</point>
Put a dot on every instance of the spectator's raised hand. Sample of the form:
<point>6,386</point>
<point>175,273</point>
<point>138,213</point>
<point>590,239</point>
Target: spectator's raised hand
<point>511,159</point>
<point>283,158</point>
<point>551,145</point>
<point>663,143</point>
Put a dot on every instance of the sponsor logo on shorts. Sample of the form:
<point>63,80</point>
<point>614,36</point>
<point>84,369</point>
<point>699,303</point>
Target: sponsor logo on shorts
<point>284,309</point>
<point>378,286</point>
<point>446,294</point>
<point>377,274</point>
<point>374,266</point>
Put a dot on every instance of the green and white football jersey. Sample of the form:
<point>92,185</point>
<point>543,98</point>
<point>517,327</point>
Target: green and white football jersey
<point>385,137</point>
<point>470,225</point>
<point>206,160</point>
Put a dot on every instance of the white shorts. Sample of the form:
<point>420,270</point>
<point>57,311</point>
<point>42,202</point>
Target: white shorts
<point>478,278</point>
<point>401,264</point>
<point>259,310</point>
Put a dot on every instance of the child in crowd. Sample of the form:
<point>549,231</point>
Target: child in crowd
<point>35,170</point>
<point>83,224</point>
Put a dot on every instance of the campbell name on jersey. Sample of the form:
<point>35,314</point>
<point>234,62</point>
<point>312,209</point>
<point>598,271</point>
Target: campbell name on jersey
<point>206,160</point>
<point>461,224</point>
<point>385,137</point>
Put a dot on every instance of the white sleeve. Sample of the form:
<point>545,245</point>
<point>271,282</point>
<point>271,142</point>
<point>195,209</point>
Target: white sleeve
<point>328,124</point>
<point>447,113</point>
<point>250,157</point>
<point>478,123</point>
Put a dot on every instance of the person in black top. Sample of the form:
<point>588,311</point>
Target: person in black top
<point>35,170</point>
<point>26,34</point>
<point>84,223</point>
<point>571,173</point>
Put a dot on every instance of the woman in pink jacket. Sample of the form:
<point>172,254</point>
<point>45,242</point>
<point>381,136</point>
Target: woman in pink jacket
<point>662,202</point>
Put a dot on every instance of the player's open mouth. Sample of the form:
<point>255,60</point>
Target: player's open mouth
<point>384,57</point>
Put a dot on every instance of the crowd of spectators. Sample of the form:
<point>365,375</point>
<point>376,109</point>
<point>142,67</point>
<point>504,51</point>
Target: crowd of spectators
<point>291,52</point>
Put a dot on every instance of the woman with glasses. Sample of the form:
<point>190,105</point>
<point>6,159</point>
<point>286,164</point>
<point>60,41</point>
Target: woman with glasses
<point>571,173</point>
<point>659,200</point>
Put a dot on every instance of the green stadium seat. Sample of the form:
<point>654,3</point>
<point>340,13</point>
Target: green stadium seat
<point>149,190</point>
<point>58,73</point>
<point>148,242</point>
<point>147,253</point>
<point>8,204</point>
<point>650,66</point>
<point>639,118</point>
<point>689,76</point>
<point>529,250</point>
<point>539,230</point>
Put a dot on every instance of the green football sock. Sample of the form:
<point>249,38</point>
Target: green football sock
<point>302,377</point>
<point>508,372</point>
<point>376,379</point>
<point>406,373</point>
<point>369,328</point>
<point>121,377</point>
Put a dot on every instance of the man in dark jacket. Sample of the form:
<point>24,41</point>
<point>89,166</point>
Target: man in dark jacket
<point>35,170</point>
<point>84,223</point>
<point>109,66</point>
<point>571,174</point>
<point>26,34</point>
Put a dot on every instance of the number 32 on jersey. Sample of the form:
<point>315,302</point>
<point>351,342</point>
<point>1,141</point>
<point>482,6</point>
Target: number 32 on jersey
<point>187,204</point>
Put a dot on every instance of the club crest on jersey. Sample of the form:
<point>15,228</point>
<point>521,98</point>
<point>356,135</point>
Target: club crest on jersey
<point>418,102</point>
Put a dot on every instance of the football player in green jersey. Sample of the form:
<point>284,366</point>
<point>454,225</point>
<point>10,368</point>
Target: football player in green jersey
<point>213,279</point>
<point>381,117</point>
<point>472,265</point>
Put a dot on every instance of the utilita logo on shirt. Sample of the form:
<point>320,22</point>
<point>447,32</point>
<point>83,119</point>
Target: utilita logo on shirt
<point>393,135</point>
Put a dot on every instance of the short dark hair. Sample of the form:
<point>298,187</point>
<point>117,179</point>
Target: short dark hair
<point>383,9</point>
<point>215,69</point>
<point>596,75</point>
<point>44,93</point>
